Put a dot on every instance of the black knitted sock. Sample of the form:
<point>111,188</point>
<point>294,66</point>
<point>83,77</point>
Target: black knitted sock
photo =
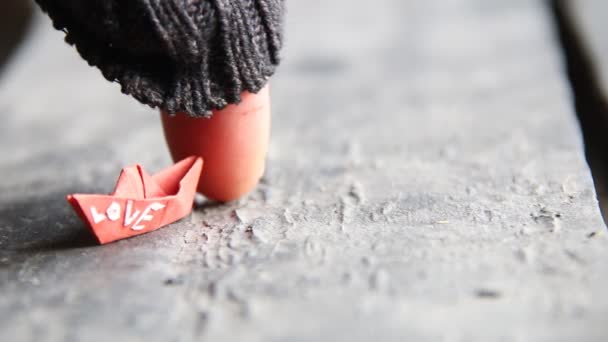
<point>179,55</point>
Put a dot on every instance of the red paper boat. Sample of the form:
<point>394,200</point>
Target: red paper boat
<point>140,203</point>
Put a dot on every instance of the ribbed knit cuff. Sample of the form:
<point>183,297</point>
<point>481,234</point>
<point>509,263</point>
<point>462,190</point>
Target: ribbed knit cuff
<point>188,56</point>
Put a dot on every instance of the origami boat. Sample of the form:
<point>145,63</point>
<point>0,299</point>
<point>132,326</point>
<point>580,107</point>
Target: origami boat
<point>140,203</point>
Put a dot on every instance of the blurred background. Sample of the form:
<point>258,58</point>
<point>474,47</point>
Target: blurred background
<point>16,17</point>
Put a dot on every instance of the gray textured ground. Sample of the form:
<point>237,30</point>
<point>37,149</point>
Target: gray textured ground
<point>426,181</point>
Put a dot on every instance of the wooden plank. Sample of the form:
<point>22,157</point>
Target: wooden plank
<point>426,181</point>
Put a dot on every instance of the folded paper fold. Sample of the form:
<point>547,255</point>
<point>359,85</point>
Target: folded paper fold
<point>140,203</point>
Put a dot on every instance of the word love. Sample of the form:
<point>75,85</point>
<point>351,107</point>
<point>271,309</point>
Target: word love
<point>134,219</point>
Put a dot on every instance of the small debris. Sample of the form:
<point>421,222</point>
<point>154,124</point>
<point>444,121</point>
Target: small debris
<point>547,219</point>
<point>288,216</point>
<point>174,281</point>
<point>199,200</point>
<point>249,233</point>
<point>489,215</point>
<point>190,237</point>
<point>356,193</point>
<point>375,217</point>
<point>241,216</point>
<point>487,294</point>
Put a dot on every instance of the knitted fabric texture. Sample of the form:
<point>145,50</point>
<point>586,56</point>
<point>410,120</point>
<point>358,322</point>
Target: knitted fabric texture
<point>189,56</point>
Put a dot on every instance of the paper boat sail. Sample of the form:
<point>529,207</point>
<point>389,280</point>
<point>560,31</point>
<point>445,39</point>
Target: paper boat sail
<point>140,203</point>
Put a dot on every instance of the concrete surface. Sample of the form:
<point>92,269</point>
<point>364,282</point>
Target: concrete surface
<point>426,182</point>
